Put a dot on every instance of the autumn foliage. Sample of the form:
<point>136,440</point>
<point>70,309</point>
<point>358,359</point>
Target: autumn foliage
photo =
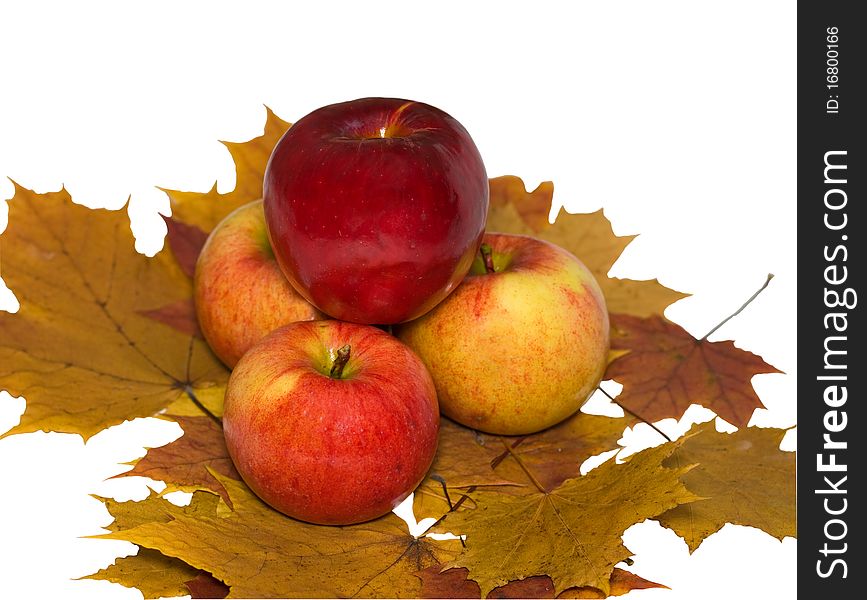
<point>105,335</point>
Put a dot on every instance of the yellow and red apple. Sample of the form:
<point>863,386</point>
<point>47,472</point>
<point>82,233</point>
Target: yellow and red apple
<point>331,422</point>
<point>521,344</point>
<point>240,293</point>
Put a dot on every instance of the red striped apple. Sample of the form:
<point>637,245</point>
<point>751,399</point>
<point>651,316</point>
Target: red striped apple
<point>375,207</point>
<point>521,344</point>
<point>240,292</point>
<point>331,422</point>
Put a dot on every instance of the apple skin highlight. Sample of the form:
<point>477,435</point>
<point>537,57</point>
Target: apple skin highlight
<point>376,207</point>
<point>518,350</point>
<point>239,291</point>
<point>325,450</point>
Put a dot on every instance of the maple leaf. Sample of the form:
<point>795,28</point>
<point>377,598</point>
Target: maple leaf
<point>587,236</point>
<point>204,585</point>
<point>666,370</point>
<point>466,457</point>
<point>128,515</point>
<point>745,478</point>
<point>261,553</point>
<point>572,533</point>
<point>186,242</point>
<point>196,214</point>
<point>180,315</point>
<point>204,211</point>
<point>158,576</point>
<point>189,462</point>
<point>453,583</point>
<point>81,348</point>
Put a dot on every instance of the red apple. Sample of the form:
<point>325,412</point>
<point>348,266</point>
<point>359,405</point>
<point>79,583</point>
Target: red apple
<point>240,292</point>
<point>326,443</point>
<point>375,207</point>
<point>521,344</point>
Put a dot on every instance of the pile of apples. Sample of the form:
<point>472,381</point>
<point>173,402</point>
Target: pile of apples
<point>362,296</point>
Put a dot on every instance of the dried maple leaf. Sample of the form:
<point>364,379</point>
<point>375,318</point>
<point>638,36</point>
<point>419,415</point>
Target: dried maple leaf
<point>196,214</point>
<point>572,533</point>
<point>261,553</point>
<point>189,462</point>
<point>587,236</point>
<point>453,583</point>
<point>158,576</point>
<point>464,456</point>
<point>180,315</point>
<point>81,349</point>
<point>556,454</point>
<point>745,478</point>
<point>666,370</point>
<point>468,459</point>
<point>128,515</point>
<point>204,585</point>
<point>205,211</point>
<point>186,242</point>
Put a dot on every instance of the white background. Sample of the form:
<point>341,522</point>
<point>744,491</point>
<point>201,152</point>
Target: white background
<point>677,117</point>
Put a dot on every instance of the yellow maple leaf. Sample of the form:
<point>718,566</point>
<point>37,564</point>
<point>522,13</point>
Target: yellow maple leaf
<point>745,479</point>
<point>571,533</point>
<point>153,574</point>
<point>206,210</point>
<point>81,348</point>
<point>260,553</point>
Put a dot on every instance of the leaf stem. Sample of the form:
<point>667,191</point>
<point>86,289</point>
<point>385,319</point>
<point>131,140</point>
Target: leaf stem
<point>637,416</point>
<point>442,482</point>
<point>452,509</point>
<point>524,468</point>
<point>192,396</point>
<point>502,455</point>
<point>487,257</point>
<point>738,311</point>
<point>340,362</point>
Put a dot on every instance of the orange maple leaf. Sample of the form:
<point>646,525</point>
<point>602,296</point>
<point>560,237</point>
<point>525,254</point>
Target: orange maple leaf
<point>666,370</point>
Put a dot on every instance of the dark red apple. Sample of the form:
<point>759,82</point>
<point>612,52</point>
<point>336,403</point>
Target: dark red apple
<point>331,422</point>
<point>376,208</point>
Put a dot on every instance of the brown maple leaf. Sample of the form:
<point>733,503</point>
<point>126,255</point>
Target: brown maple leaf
<point>745,479</point>
<point>666,370</point>
<point>470,459</point>
<point>205,585</point>
<point>453,583</point>
<point>186,242</point>
<point>189,462</point>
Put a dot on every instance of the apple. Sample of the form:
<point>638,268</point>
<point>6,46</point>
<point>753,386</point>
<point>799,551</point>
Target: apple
<point>375,208</point>
<point>239,291</point>
<point>523,341</point>
<point>331,422</point>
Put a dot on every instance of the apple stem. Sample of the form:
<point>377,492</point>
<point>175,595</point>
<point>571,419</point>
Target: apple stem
<point>340,362</point>
<point>488,257</point>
